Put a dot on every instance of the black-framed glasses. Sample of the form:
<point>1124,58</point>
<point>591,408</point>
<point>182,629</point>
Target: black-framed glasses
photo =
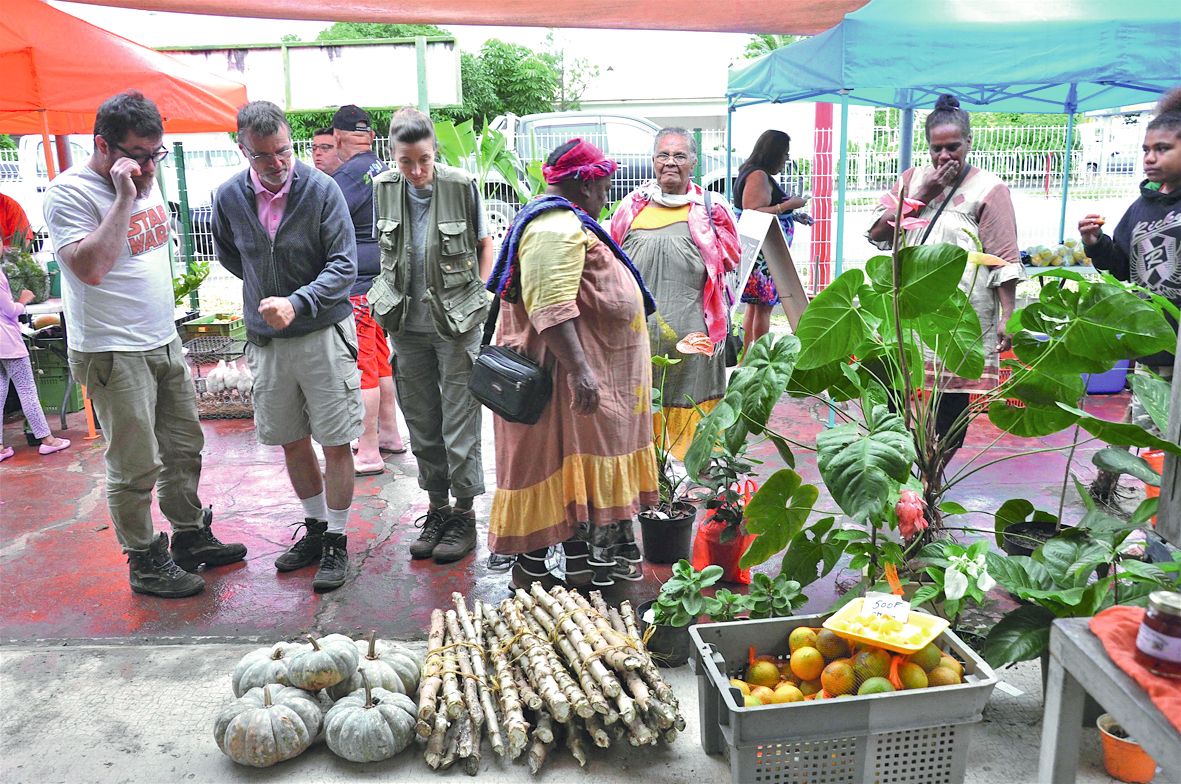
<point>679,158</point>
<point>286,152</point>
<point>143,158</point>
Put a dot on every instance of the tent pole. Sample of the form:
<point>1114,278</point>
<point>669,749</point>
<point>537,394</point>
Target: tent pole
<point>906,131</point>
<point>1071,105</point>
<point>729,146</point>
<point>842,165</point>
<point>50,169</point>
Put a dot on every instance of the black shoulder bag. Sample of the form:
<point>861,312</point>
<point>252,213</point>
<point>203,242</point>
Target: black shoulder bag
<point>507,382</point>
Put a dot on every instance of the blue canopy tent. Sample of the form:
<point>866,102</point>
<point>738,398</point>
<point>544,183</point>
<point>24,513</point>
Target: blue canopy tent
<point>1067,56</point>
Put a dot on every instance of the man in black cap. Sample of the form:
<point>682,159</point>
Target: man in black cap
<point>354,135</point>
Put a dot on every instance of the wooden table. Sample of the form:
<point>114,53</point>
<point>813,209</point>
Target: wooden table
<point>1078,666</point>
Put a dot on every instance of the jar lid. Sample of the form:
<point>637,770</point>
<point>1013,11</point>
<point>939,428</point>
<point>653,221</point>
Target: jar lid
<point>1165,602</point>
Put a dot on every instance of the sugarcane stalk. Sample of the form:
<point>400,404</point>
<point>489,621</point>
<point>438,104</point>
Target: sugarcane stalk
<point>530,697</point>
<point>436,743</point>
<point>463,654</point>
<point>662,715</point>
<point>538,751</point>
<point>599,604</point>
<point>639,733</point>
<point>576,744</point>
<point>669,735</point>
<point>597,631</point>
<point>598,732</point>
<point>577,698</point>
<point>616,620</point>
<point>466,738</point>
<point>480,669</point>
<point>540,672</point>
<point>451,745</point>
<point>515,727</point>
<point>544,727</point>
<point>629,619</point>
<point>431,682</point>
<point>452,697</point>
<point>547,610</point>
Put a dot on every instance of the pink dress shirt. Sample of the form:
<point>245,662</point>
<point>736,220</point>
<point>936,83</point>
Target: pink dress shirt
<point>270,206</point>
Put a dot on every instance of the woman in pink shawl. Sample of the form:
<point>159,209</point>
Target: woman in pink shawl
<point>683,241</point>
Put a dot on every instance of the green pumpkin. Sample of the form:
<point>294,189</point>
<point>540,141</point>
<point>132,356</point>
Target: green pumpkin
<point>264,665</point>
<point>370,724</point>
<point>328,662</point>
<point>268,725</point>
<point>388,666</point>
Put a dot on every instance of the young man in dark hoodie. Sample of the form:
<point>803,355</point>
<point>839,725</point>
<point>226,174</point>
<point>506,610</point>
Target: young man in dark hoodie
<point>1146,248</point>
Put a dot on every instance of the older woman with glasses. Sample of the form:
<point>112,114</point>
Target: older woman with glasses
<point>683,240</point>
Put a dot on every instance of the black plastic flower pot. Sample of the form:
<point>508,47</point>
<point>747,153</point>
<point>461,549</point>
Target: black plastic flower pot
<point>668,541</point>
<point>669,646</point>
<point>1024,538</point>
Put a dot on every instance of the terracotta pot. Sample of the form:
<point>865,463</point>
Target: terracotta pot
<point>1123,757</point>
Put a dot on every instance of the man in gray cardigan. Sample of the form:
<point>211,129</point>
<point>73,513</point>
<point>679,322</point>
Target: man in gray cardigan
<point>284,228</point>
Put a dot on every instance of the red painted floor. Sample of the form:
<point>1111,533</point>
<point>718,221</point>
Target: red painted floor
<point>65,578</point>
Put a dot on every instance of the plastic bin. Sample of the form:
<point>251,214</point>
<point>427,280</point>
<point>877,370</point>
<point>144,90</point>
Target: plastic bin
<point>1109,383</point>
<point>51,390</point>
<point>211,326</point>
<point>897,738</point>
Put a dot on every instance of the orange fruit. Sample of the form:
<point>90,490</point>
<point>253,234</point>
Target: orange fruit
<point>785,673</point>
<point>831,645</point>
<point>810,688</point>
<point>838,677</point>
<point>762,673</point>
<point>912,676</point>
<point>942,676</point>
<point>875,685</point>
<point>871,663</point>
<point>801,637</point>
<point>953,665</point>
<point>807,663</point>
<point>786,692</point>
<point>927,657</point>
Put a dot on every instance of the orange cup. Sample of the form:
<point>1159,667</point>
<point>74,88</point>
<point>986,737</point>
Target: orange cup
<point>1124,759</point>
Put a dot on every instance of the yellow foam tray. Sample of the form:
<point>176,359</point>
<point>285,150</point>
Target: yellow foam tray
<point>931,625</point>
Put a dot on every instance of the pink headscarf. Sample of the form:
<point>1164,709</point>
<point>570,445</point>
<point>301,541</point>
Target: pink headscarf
<point>583,161</point>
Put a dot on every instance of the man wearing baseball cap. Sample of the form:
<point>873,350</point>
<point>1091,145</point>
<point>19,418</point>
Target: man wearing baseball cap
<point>353,132</point>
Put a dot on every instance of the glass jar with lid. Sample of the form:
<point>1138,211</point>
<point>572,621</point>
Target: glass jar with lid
<point>1158,645</point>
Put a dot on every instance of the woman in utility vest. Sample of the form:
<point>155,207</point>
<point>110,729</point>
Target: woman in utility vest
<point>436,252</point>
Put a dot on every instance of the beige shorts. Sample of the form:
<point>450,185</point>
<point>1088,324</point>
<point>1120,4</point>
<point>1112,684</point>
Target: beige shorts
<point>308,385</point>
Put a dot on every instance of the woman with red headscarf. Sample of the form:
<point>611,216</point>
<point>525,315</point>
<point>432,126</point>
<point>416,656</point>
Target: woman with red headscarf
<point>572,301</point>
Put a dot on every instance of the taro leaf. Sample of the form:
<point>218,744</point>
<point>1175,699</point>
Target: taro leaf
<point>1071,559</point>
<point>763,376</point>
<point>1052,356</point>
<point>806,551</point>
<point>709,429</point>
<point>1120,433</point>
<point>1030,422</point>
<point>831,326</point>
<point>953,332</point>
<point>1040,388</point>
<point>1059,273</point>
<point>1018,573</point>
<point>929,275</point>
<point>861,470</point>
<point>1021,635</point>
<point>1153,393</point>
<point>813,381</point>
<point>1114,324</point>
<point>1019,510</point>
<point>782,447</point>
<point>776,514</point>
<point>1121,461</point>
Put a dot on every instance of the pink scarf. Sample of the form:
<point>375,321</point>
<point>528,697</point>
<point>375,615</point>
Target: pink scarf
<point>718,245</point>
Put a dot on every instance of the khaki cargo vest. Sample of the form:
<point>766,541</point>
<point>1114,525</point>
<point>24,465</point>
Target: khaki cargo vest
<point>455,294</point>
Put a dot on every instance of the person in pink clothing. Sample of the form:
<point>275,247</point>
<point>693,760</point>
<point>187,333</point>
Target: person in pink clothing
<point>15,367</point>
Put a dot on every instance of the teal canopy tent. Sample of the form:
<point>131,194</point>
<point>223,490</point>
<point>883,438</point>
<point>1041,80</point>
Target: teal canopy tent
<point>1064,56</point>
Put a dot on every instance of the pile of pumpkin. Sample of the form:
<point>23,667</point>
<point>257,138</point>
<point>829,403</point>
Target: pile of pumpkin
<point>282,691</point>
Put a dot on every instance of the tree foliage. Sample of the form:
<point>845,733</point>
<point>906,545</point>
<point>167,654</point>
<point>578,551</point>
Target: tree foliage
<point>765,43</point>
<point>353,31</point>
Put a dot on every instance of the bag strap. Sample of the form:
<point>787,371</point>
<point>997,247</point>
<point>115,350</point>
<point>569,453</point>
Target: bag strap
<point>490,322</point>
<point>946,201</point>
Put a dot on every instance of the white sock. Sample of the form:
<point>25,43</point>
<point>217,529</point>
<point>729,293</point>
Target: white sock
<point>337,519</point>
<point>316,507</point>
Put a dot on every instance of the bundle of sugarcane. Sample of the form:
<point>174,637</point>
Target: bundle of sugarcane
<point>537,670</point>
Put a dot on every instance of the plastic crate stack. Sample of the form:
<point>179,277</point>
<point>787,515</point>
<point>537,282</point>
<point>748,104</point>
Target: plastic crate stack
<point>221,378</point>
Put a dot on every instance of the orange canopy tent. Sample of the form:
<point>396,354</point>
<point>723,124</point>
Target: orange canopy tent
<point>56,69</point>
<point>723,16</point>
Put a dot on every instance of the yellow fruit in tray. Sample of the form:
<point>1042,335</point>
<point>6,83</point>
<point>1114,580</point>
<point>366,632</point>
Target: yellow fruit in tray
<point>912,676</point>
<point>953,665</point>
<point>810,687</point>
<point>741,685</point>
<point>807,663</point>
<point>942,676</point>
<point>750,701</point>
<point>762,673</point>
<point>801,637</point>
<point>876,686</point>
<point>830,645</point>
<point>787,692</point>
<point>927,657</point>
<point>838,677</point>
<point>871,663</point>
<point>764,695</point>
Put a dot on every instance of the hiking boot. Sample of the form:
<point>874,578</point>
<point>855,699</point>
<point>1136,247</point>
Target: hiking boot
<point>192,548</point>
<point>432,524</point>
<point>307,550</point>
<point>625,549</point>
<point>458,537</point>
<point>334,563</point>
<point>153,572</point>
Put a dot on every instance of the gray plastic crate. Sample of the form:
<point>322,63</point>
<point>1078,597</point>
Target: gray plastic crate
<point>908,737</point>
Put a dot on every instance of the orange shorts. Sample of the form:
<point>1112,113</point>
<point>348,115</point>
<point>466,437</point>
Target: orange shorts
<point>373,352</point>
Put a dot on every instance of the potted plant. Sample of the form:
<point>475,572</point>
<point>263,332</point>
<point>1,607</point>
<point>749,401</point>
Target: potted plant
<point>678,605</point>
<point>1122,756</point>
<point>667,528</point>
<point>722,537</point>
<point>776,597</point>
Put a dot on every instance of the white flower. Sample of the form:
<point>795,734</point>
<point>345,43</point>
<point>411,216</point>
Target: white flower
<point>961,567</point>
<point>955,584</point>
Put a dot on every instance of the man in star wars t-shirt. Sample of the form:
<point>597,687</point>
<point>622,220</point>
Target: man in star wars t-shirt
<point>109,227</point>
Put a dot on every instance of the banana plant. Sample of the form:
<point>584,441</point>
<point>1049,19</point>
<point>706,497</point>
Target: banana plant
<point>483,154</point>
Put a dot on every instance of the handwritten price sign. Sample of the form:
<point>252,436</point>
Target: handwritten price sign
<point>887,605</point>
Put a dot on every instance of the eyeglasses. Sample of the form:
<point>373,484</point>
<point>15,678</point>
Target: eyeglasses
<point>323,147</point>
<point>268,156</point>
<point>142,159</point>
<point>679,158</point>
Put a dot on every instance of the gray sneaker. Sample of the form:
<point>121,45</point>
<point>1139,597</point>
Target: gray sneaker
<point>307,550</point>
<point>334,563</point>
<point>153,572</point>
